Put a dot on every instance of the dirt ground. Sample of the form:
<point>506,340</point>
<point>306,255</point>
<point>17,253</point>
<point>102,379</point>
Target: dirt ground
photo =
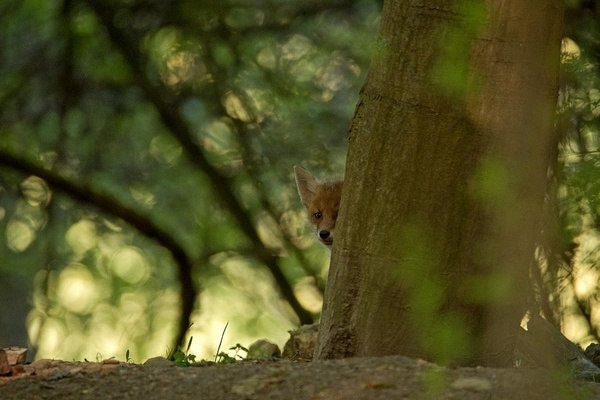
<point>392,377</point>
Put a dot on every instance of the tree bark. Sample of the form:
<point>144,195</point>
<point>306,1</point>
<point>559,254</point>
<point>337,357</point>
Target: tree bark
<point>448,155</point>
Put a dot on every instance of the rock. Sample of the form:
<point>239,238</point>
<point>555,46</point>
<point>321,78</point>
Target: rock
<point>16,355</point>
<point>5,368</point>
<point>263,349</point>
<point>302,342</point>
<point>158,362</point>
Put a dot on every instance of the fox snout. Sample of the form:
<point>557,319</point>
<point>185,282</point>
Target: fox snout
<point>323,220</point>
<point>325,237</point>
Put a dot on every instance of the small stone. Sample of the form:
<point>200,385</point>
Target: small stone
<point>302,342</point>
<point>16,355</point>
<point>112,361</point>
<point>158,362</point>
<point>5,368</point>
<point>263,349</point>
<point>474,384</point>
<point>42,363</point>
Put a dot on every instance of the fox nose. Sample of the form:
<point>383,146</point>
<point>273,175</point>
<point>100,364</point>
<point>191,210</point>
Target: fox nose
<point>323,234</point>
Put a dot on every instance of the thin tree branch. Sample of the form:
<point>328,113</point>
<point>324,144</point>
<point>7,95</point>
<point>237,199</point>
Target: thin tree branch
<point>222,185</point>
<point>112,206</point>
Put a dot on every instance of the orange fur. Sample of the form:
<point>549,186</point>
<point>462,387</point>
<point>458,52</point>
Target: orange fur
<point>322,202</point>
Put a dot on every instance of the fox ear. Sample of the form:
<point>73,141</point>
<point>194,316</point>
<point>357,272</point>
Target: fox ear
<point>307,184</point>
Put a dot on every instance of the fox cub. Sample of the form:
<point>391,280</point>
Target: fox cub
<point>322,201</point>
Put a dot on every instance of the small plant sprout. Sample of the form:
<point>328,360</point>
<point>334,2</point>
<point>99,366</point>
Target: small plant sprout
<point>184,358</point>
<point>223,357</point>
<point>226,358</point>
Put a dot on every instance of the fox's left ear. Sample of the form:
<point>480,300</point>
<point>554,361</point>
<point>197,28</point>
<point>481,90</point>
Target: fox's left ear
<point>307,185</point>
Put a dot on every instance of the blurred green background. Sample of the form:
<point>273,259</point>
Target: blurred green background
<point>146,150</point>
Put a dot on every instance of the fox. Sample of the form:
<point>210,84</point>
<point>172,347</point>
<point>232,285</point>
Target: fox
<point>321,198</point>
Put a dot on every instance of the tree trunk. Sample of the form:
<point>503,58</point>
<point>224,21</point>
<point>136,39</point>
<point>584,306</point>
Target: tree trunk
<point>449,149</point>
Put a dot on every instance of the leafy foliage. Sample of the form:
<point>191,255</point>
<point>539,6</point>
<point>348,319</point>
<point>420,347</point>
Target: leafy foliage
<point>177,124</point>
<point>173,127</point>
<point>570,276</point>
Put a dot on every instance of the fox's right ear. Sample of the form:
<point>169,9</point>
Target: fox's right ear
<point>307,185</point>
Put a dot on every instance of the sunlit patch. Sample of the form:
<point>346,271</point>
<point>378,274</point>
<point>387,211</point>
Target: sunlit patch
<point>266,58</point>
<point>180,68</point>
<point>164,149</point>
<point>76,289</point>
<point>338,73</point>
<point>308,295</point>
<point>269,230</point>
<point>594,317</point>
<point>131,265</point>
<point>19,235</point>
<point>218,139</point>
<point>594,95</point>
<point>239,272</point>
<point>293,222</point>
<point>145,198</point>
<point>586,282</point>
<point>179,62</point>
<point>570,48</point>
<point>235,107</point>
<point>35,323</point>
<point>134,305</point>
<point>111,225</point>
<point>36,192</point>
<point>22,228</point>
<point>296,47</point>
<point>81,236</point>
<point>246,299</point>
<point>104,340</point>
<point>576,328</point>
<point>2,213</point>
<point>53,338</point>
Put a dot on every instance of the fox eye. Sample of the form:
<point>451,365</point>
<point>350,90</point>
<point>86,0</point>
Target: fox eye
<point>318,215</point>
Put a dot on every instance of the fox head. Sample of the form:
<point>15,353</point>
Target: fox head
<point>322,202</point>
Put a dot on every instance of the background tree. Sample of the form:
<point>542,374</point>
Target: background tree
<point>147,152</point>
<point>450,147</point>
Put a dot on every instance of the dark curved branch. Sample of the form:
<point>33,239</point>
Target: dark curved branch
<point>222,185</point>
<point>112,206</point>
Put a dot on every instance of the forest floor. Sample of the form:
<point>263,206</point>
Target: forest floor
<point>391,377</point>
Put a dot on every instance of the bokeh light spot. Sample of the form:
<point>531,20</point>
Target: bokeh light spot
<point>131,265</point>
<point>76,289</point>
<point>19,235</point>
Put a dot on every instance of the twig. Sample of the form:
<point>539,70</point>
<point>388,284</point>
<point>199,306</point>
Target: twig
<point>221,341</point>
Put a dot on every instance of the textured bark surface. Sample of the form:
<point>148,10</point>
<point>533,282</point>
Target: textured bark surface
<point>444,185</point>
